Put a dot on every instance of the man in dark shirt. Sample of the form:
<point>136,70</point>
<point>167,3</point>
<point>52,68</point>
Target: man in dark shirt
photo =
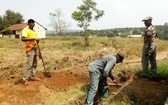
<point>149,48</point>
<point>99,70</point>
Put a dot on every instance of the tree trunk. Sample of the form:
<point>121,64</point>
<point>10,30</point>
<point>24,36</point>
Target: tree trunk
<point>86,40</point>
<point>86,36</point>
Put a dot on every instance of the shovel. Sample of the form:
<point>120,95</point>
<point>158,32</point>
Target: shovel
<point>46,73</point>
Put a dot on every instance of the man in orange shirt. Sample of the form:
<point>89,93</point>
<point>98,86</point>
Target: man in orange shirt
<point>30,37</point>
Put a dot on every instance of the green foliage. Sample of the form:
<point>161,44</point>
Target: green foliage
<point>136,32</point>
<point>163,68</point>
<point>7,31</point>
<point>13,17</point>
<point>86,13</point>
<point>1,23</point>
<point>9,18</point>
<point>162,31</point>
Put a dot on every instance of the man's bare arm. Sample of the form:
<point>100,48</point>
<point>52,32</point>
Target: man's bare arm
<point>28,39</point>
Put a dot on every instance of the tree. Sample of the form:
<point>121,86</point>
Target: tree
<point>166,24</point>
<point>1,23</point>
<point>12,17</point>
<point>57,22</point>
<point>86,13</point>
<point>136,32</point>
<point>9,18</point>
<point>7,31</point>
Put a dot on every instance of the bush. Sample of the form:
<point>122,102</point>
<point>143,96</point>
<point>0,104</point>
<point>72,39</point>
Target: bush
<point>7,31</point>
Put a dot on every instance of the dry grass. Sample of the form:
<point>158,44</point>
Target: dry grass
<point>64,52</point>
<point>67,97</point>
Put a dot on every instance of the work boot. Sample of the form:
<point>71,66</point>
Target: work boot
<point>144,75</point>
<point>35,79</point>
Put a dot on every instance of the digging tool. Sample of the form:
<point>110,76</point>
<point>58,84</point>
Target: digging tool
<point>46,73</point>
<point>116,84</point>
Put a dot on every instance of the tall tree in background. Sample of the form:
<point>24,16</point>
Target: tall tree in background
<point>86,13</point>
<point>9,18</point>
<point>1,23</point>
<point>57,22</point>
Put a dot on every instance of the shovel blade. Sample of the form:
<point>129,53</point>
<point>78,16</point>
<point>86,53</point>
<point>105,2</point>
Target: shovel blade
<point>47,74</point>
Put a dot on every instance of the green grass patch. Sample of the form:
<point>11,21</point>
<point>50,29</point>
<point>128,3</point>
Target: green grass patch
<point>136,99</point>
<point>69,96</point>
<point>163,68</point>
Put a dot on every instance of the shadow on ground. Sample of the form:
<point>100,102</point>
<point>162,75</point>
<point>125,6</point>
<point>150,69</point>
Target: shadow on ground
<point>144,91</point>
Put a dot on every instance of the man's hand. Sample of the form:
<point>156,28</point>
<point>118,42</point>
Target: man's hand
<point>112,77</point>
<point>29,39</point>
<point>37,40</point>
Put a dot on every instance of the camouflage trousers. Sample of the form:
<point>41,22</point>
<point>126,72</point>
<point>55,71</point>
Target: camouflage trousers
<point>31,64</point>
<point>149,57</point>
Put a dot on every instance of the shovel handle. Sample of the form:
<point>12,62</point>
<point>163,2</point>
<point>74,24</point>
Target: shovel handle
<point>41,57</point>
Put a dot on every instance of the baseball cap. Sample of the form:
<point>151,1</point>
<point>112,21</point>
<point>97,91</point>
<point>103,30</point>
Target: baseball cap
<point>121,55</point>
<point>147,18</point>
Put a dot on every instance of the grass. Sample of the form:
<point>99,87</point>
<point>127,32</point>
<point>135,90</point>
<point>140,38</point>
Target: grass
<point>134,99</point>
<point>163,68</point>
<point>64,52</point>
<point>79,93</point>
<point>68,96</point>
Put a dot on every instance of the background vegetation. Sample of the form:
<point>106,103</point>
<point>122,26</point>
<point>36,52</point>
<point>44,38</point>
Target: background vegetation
<point>10,18</point>
<point>64,52</point>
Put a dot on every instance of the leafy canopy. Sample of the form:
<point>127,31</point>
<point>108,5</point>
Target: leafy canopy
<point>86,13</point>
<point>9,18</point>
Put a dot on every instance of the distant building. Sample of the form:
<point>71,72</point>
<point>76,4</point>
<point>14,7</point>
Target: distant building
<point>17,30</point>
<point>134,36</point>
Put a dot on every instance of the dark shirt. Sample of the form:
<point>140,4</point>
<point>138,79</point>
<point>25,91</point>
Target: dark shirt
<point>105,65</point>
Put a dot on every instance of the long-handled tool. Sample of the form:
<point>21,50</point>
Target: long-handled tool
<point>46,73</point>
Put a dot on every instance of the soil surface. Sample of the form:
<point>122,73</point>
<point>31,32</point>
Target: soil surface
<point>12,92</point>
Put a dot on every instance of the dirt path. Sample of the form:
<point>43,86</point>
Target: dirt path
<point>38,92</point>
<point>137,61</point>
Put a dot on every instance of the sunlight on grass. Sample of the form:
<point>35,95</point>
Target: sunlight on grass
<point>68,96</point>
<point>163,68</point>
<point>66,52</point>
<point>163,73</point>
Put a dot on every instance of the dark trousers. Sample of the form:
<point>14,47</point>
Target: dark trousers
<point>146,58</point>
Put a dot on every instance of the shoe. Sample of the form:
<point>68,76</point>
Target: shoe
<point>143,75</point>
<point>25,83</point>
<point>35,79</point>
<point>153,77</point>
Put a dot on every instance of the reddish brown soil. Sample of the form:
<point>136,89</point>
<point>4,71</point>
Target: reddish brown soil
<point>145,91</point>
<point>13,93</point>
